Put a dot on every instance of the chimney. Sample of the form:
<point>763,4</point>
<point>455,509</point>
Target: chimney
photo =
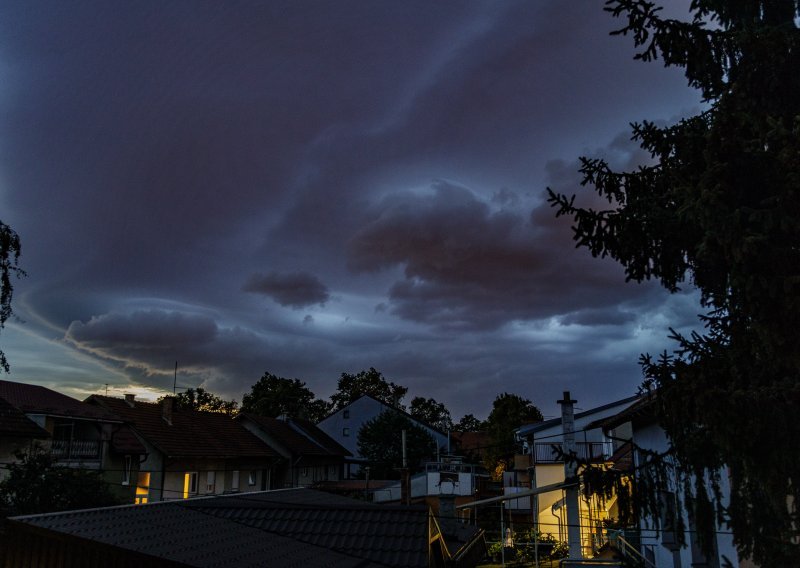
<point>448,521</point>
<point>167,406</point>
<point>130,399</point>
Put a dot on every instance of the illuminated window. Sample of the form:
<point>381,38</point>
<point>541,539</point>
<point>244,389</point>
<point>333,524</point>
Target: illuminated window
<point>126,471</point>
<point>235,480</point>
<point>142,488</point>
<point>211,479</point>
<point>189,484</point>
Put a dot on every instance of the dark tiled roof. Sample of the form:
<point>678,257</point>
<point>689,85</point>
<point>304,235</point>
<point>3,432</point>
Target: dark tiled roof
<point>285,435</point>
<point>191,434</point>
<point>301,437</point>
<point>310,429</point>
<point>14,423</point>
<point>35,399</point>
<point>288,528</point>
<point>124,441</point>
<point>640,412</point>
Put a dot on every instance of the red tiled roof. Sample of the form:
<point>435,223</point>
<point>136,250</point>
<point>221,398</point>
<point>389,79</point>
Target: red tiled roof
<point>14,423</point>
<point>35,399</point>
<point>191,434</point>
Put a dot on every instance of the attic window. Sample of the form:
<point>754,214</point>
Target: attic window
<point>346,414</point>
<point>345,431</point>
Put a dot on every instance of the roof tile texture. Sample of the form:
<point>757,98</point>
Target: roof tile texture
<point>190,433</point>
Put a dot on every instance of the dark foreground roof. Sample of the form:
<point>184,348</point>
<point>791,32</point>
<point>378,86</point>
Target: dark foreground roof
<point>294,527</point>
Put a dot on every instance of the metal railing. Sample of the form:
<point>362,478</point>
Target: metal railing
<point>627,549</point>
<point>550,452</point>
<point>75,449</point>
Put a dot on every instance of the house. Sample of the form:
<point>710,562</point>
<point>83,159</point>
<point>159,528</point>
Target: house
<point>17,433</point>
<point>290,528</point>
<point>190,453</point>
<point>80,435</point>
<point>636,430</point>
<point>343,426</point>
<point>309,455</point>
<point>543,465</point>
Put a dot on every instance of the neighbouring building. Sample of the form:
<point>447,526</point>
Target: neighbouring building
<point>287,528</point>
<point>636,430</point>
<point>542,465</point>
<point>309,455</point>
<point>190,453</point>
<point>343,426</point>
<point>80,435</point>
<point>17,433</point>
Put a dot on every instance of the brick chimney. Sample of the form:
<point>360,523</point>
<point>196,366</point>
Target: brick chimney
<point>167,406</point>
<point>130,399</point>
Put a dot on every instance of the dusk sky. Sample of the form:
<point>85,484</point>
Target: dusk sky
<point>312,187</point>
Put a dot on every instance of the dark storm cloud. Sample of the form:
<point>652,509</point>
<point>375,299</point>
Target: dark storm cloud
<point>468,265</point>
<point>295,289</point>
<point>155,155</point>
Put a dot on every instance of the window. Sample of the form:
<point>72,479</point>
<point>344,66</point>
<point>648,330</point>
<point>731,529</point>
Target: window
<point>142,488</point>
<point>345,432</point>
<point>304,472</point>
<point>211,479</point>
<point>235,480</point>
<point>251,478</point>
<point>189,484</point>
<point>346,414</point>
<point>126,471</point>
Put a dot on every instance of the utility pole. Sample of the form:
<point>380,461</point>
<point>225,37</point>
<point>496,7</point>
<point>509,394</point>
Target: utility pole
<point>570,475</point>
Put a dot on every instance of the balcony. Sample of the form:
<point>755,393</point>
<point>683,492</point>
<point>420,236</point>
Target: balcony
<point>75,449</point>
<point>550,452</point>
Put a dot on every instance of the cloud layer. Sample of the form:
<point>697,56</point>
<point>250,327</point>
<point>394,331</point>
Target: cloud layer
<point>309,188</point>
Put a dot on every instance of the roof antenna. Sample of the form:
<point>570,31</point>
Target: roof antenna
<point>175,380</point>
<point>106,389</point>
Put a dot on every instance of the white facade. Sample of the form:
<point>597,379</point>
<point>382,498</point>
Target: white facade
<point>344,424</point>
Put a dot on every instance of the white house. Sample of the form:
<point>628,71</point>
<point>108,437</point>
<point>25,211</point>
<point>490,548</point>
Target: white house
<point>344,424</point>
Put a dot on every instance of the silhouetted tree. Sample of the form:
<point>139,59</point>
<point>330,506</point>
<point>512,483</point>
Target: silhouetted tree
<point>371,382</point>
<point>509,412</point>
<point>469,423</point>
<point>380,442</point>
<point>720,205</point>
<point>202,400</point>
<point>35,484</point>
<point>431,412</point>
<point>273,396</point>
<point>10,249</point>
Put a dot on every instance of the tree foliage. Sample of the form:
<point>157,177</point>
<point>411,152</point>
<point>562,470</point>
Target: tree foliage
<point>720,206</point>
<point>372,382</point>
<point>204,401</point>
<point>35,484</point>
<point>509,412</point>
<point>273,396</point>
<point>380,442</point>
<point>431,412</point>
<point>469,423</point>
<point>10,249</point>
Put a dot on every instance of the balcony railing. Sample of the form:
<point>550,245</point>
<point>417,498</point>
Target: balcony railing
<point>550,452</point>
<point>75,449</point>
